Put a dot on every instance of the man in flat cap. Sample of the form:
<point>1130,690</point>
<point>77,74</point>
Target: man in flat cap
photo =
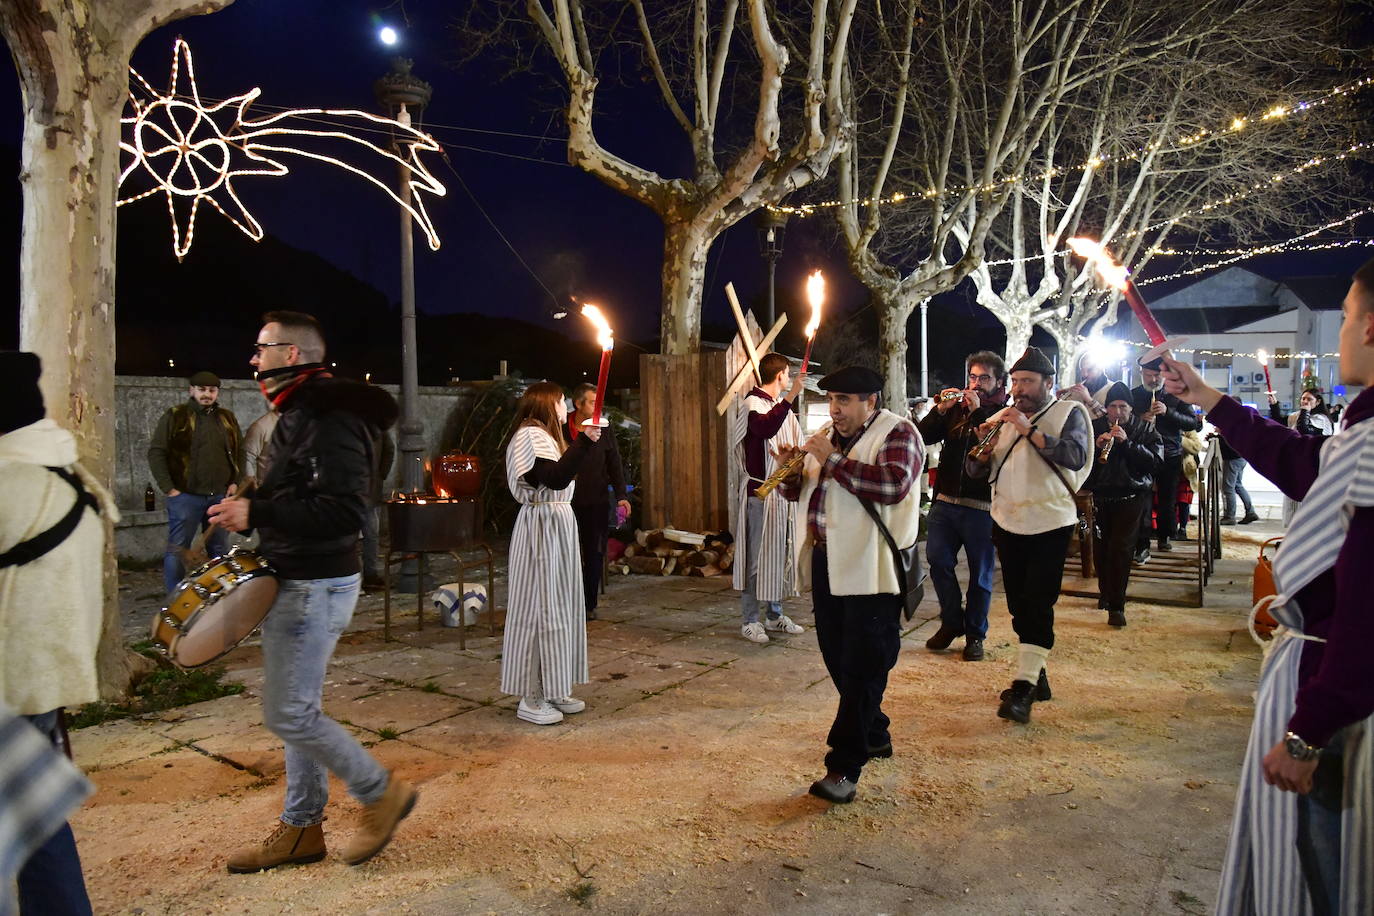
<point>1129,453</point>
<point>1037,463</point>
<point>868,455</point>
<point>1171,418</point>
<point>195,455</point>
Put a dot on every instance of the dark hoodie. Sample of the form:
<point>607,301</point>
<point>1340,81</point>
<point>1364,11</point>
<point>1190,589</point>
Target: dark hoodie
<point>310,506</point>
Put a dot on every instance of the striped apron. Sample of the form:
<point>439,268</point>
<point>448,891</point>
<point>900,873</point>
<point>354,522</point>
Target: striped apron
<point>544,652</point>
<point>1262,874</point>
<point>776,579</point>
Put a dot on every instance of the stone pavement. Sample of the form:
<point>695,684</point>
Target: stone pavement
<point>683,784</point>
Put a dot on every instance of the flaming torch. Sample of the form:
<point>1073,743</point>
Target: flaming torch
<point>1113,274</point>
<point>1264,361</point>
<point>607,341</point>
<point>815,294</point>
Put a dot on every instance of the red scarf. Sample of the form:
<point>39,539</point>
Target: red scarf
<point>278,389</point>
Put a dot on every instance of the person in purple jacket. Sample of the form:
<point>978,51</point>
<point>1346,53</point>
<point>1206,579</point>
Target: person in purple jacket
<point>1314,712</point>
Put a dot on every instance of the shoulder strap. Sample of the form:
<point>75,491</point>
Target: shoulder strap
<point>40,544</point>
<point>891,541</point>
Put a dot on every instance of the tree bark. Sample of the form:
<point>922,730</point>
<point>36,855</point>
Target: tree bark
<point>892,321</point>
<point>1018,325</point>
<point>685,247</point>
<point>72,57</point>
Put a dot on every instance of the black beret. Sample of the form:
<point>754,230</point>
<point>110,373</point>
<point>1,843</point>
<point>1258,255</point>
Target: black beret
<point>1118,392</point>
<point>1152,364</point>
<point>853,380</point>
<point>1034,361</point>
<point>205,379</point>
<point>23,400</point>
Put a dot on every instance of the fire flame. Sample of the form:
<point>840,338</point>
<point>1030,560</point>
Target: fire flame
<point>1111,272</point>
<point>815,294</point>
<point>1263,358</point>
<point>603,327</point>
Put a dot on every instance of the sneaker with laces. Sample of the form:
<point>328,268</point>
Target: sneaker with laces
<point>538,711</point>
<point>784,624</point>
<point>567,705</point>
<point>754,632</point>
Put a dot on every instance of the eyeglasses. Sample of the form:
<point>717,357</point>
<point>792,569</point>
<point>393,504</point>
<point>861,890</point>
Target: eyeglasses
<point>259,347</point>
<point>980,379</point>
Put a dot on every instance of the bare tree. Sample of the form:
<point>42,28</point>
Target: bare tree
<point>693,52</point>
<point>1138,159</point>
<point>73,62</point>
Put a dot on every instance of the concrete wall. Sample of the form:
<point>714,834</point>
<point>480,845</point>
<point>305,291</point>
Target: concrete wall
<point>140,402</point>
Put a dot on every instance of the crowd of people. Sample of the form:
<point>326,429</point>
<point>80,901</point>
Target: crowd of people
<point>837,512</point>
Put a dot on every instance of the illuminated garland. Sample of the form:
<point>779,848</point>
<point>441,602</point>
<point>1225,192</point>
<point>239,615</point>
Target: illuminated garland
<point>182,148</point>
<point>1272,113</point>
<point>1203,351</point>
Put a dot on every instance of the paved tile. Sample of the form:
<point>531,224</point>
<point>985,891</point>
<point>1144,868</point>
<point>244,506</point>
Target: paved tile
<point>401,710</point>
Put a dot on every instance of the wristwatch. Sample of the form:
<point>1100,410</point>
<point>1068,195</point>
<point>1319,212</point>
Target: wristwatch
<point>1299,749</point>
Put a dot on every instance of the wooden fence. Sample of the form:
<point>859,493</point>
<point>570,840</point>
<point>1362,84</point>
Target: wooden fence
<point>685,458</point>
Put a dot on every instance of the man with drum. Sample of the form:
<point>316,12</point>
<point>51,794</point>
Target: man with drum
<point>309,510</point>
<point>195,456</point>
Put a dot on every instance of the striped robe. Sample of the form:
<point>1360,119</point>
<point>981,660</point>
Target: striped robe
<point>1262,874</point>
<point>776,578</point>
<point>544,652</point>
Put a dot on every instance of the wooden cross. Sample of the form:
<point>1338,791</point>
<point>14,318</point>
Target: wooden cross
<point>751,367</point>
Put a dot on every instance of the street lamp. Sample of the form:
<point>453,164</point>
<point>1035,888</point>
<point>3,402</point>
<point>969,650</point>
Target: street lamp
<point>771,225</point>
<point>404,98</point>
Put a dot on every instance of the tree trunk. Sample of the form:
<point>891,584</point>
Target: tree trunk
<point>685,247</point>
<point>1018,327</point>
<point>892,321</point>
<point>72,57</point>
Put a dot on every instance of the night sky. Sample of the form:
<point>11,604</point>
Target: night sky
<point>579,236</point>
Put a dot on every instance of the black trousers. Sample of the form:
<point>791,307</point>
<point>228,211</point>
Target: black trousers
<point>1166,504</point>
<point>859,636</point>
<point>1032,572</point>
<point>1118,522</point>
<point>592,524</point>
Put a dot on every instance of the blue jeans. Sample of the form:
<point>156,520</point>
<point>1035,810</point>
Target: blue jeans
<point>50,880</point>
<point>185,519</point>
<point>1235,472</point>
<point>753,534</point>
<point>298,639</point>
<point>1319,829</point>
<point>949,527</point>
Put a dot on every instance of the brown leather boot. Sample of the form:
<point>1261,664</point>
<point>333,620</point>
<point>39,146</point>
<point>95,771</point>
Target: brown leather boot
<point>379,821</point>
<point>286,845</point>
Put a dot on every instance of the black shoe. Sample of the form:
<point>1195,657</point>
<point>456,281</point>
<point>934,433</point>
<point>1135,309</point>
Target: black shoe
<point>1249,517</point>
<point>1228,521</point>
<point>1042,689</point>
<point>591,615</point>
<point>1165,546</point>
<point>1116,618</point>
<point>943,637</point>
<point>1141,556</point>
<point>1182,536</point>
<point>973,650</point>
<point>882,752</point>
<point>834,788</point>
<point>1017,701</point>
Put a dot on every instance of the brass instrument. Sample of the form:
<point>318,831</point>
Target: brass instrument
<point>951,396</point>
<point>785,470</point>
<point>984,446</point>
<point>1107,449</point>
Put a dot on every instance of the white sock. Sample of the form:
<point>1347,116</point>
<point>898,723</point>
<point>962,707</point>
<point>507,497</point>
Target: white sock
<point>1030,661</point>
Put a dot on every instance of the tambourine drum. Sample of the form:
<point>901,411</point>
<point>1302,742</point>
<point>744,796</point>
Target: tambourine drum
<point>216,607</point>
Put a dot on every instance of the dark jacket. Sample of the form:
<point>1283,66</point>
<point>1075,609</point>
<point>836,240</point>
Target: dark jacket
<point>1131,465</point>
<point>310,506</point>
<point>603,468</point>
<point>196,449</point>
<point>1177,419</point>
<point>958,430</point>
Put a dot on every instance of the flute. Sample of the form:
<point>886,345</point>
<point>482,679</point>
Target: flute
<point>1107,449</point>
<point>984,446</point>
<point>951,396</point>
<point>785,470</point>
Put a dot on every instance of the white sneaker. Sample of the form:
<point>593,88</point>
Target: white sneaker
<point>754,632</point>
<point>784,624</point>
<point>540,712</point>
<point>568,705</point>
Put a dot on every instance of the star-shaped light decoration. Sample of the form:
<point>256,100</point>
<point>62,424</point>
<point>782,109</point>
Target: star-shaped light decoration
<point>192,152</point>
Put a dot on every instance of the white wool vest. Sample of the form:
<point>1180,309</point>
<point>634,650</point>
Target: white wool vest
<point>858,560</point>
<point>1027,496</point>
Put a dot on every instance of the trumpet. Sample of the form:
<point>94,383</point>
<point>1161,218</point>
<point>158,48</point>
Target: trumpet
<point>1107,449</point>
<point>785,470</point>
<point>984,446</point>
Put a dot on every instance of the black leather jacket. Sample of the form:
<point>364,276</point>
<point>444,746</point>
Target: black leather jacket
<point>1131,466</point>
<point>1177,419</point>
<point>310,506</point>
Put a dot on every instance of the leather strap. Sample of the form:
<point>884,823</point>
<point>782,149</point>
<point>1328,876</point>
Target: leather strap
<point>40,544</point>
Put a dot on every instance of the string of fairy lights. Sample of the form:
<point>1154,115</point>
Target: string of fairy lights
<point>1273,113</point>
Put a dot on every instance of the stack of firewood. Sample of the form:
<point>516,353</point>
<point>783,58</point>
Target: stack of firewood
<point>670,552</point>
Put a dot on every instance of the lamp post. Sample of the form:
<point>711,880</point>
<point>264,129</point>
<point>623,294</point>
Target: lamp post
<point>404,98</point>
<point>771,225</point>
